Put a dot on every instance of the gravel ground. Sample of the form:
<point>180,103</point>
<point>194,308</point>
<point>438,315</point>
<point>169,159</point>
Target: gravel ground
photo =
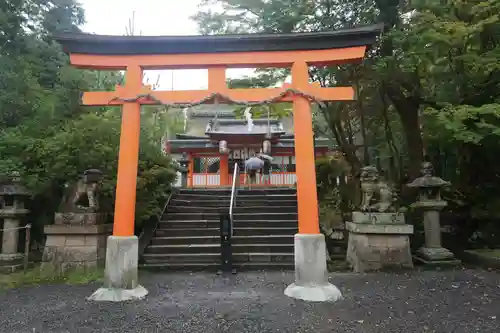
<point>420,301</point>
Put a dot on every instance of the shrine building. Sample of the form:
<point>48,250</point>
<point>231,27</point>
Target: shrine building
<point>216,139</point>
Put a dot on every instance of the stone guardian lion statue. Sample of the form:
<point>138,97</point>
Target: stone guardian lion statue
<point>377,195</point>
<point>82,196</point>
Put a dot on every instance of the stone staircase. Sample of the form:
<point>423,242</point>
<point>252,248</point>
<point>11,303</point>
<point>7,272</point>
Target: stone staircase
<point>188,235</point>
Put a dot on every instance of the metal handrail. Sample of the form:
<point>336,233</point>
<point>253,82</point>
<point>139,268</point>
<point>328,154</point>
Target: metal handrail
<point>236,177</point>
<point>150,227</point>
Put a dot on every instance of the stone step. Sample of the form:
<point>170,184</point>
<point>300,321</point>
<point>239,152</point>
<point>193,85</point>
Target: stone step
<point>237,216</point>
<point>239,194</point>
<point>194,239</point>
<point>241,190</point>
<point>204,190</point>
<point>188,235</point>
<point>213,267</point>
<point>264,239</point>
<point>215,248</point>
<point>240,202</point>
<point>189,239</point>
<point>187,231</point>
<point>267,191</point>
<point>215,231</point>
<point>205,196</point>
<point>216,224</point>
<point>266,196</point>
<point>151,258</point>
<point>236,210</point>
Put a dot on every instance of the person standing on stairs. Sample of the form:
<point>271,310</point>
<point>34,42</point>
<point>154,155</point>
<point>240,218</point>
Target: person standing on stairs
<point>252,165</point>
<point>266,169</point>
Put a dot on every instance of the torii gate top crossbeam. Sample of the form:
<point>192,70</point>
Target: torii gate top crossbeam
<point>249,50</point>
<point>134,45</point>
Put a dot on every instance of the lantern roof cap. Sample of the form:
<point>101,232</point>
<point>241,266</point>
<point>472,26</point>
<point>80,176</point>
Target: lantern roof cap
<point>12,185</point>
<point>428,180</point>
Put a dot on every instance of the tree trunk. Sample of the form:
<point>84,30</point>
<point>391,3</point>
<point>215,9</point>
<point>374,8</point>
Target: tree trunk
<point>408,110</point>
<point>411,125</point>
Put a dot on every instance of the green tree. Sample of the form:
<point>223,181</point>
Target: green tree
<point>430,82</point>
<point>45,133</point>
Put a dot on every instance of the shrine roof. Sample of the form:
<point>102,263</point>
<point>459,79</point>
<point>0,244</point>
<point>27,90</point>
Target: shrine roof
<point>211,114</point>
<point>190,137</point>
<point>135,45</point>
<point>184,143</point>
<point>240,127</point>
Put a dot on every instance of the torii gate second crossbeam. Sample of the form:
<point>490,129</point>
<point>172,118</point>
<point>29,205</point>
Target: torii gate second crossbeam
<point>134,54</point>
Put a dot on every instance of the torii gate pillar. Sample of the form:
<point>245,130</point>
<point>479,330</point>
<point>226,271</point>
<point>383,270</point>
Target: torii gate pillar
<point>311,279</point>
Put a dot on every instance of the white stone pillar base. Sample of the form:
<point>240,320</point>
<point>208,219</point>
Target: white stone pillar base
<point>121,276</point>
<point>311,275</point>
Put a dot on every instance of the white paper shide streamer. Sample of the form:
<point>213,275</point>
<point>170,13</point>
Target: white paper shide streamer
<point>185,112</point>
<point>248,116</point>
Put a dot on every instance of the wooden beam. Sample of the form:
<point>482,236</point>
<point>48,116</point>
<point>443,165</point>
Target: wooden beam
<point>217,79</point>
<point>275,59</point>
<point>103,98</point>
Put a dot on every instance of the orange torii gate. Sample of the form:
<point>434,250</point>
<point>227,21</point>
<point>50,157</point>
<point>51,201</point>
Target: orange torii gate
<point>134,54</point>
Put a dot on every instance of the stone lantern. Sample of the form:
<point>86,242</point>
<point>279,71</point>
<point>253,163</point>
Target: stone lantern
<point>183,168</point>
<point>430,202</point>
<point>12,211</point>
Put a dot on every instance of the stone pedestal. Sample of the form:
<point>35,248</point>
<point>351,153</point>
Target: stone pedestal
<point>9,263</point>
<point>121,274</point>
<point>80,218</point>
<point>72,246</point>
<point>378,241</point>
<point>311,275</point>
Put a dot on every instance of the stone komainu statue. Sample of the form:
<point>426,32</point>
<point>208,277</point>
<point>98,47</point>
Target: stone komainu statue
<point>377,195</point>
<point>82,196</point>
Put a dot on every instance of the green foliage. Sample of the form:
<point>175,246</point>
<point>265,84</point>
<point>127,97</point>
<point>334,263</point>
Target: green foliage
<point>278,110</point>
<point>329,173</point>
<point>464,124</point>
<point>44,132</point>
<point>36,276</point>
<point>431,85</point>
